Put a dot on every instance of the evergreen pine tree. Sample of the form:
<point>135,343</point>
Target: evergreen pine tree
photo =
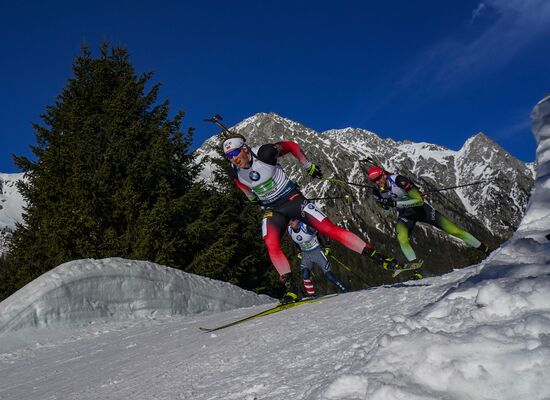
<point>113,177</point>
<point>111,169</point>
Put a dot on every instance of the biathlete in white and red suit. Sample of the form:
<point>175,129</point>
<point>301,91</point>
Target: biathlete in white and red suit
<point>256,172</point>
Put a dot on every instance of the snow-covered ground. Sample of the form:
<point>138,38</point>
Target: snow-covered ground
<point>118,329</point>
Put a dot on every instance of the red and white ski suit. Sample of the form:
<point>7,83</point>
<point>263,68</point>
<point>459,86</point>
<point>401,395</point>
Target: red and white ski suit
<point>282,201</point>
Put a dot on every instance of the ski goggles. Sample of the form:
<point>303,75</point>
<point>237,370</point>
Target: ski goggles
<point>233,153</point>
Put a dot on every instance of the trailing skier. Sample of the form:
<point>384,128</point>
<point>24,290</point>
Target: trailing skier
<point>311,252</point>
<point>256,172</point>
<point>392,190</point>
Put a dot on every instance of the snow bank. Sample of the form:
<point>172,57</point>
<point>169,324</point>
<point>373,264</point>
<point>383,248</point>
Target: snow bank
<point>489,331</point>
<point>486,337</point>
<point>537,209</point>
<point>114,288</point>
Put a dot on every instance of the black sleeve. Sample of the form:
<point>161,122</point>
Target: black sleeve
<point>378,197</point>
<point>404,183</point>
<point>268,154</point>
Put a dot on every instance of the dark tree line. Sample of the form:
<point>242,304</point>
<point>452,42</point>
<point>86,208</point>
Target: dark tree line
<point>113,176</point>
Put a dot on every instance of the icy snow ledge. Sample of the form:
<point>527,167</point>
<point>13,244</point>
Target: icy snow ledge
<point>115,288</point>
<point>536,221</point>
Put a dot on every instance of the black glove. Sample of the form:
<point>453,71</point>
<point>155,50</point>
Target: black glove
<point>386,202</point>
<point>314,171</point>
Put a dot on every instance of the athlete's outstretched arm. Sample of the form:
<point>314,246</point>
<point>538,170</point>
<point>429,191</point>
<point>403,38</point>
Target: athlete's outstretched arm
<point>294,149</point>
<point>415,199</point>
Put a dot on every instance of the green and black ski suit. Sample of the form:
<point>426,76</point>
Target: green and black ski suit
<point>402,194</point>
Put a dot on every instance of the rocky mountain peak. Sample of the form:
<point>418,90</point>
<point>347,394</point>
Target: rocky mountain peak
<point>339,151</point>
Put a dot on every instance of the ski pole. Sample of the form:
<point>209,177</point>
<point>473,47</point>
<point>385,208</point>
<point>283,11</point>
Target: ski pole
<point>342,182</point>
<point>350,270</point>
<point>457,186</point>
<point>345,197</point>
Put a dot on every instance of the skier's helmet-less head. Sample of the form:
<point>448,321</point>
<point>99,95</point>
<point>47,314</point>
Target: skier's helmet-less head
<point>375,173</point>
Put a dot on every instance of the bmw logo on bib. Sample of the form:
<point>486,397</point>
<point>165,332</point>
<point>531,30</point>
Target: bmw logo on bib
<point>254,175</point>
<point>299,238</point>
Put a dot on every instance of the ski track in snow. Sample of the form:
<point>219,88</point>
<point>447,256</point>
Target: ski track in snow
<point>264,356</point>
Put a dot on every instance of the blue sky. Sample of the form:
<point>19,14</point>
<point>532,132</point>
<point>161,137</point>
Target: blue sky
<point>420,70</point>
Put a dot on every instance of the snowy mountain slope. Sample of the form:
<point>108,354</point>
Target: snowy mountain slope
<point>11,207</point>
<point>476,333</point>
<point>433,166</point>
<point>491,211</point>
<point>497,207</point>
